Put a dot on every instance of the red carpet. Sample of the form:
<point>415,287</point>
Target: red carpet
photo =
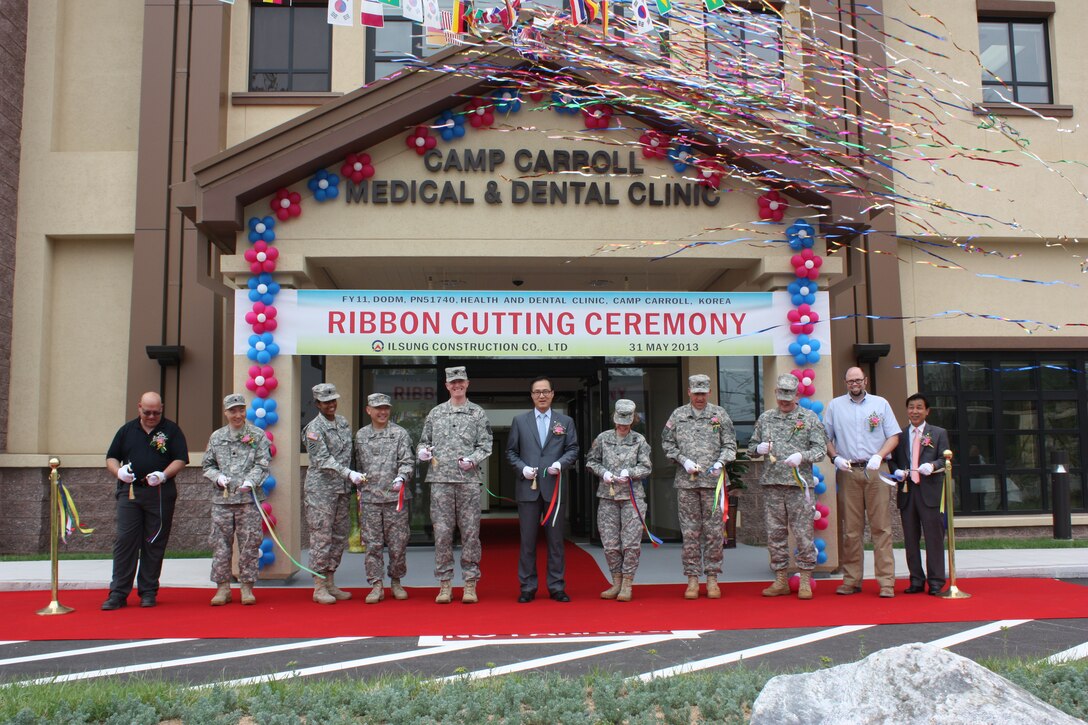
<point>289,613</point>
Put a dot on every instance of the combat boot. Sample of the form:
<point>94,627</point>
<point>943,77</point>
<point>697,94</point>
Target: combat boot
<point>222,595</point>
<point>624,594</point>
<point>445,596</point>
<point>376,594</point>
<point>804,590</point>
<point>469,595</point>
<point>713,591</point>
<point>692,592</point>
<point>321,592</point>
<point>334,590</point>
<point>613,591</point>
<point>247,593</point>
<point>780,587</point>
<point>398,590</point>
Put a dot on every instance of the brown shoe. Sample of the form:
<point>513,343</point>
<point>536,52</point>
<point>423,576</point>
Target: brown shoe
<point>222,595</point>
<point>804,588</point>
<point>887,593</point>
<point>338,593</point>
<point>713,591</point>
<point>247,593</point>
<point>692,592</point>
<point>613,591</point>
<point>848,589</point>
<point>398,590</point>
<point>376,594</point>
<point>445,593</point>
<point>624,594</point>
<point>781,586</point>
<point>321,592</point>
<point>468,596</point>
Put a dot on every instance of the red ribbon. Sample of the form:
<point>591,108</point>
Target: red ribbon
<point>556,498</point>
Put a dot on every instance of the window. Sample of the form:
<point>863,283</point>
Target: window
<point>1015,55</point>
<point>1005,414</point>
<point>745,45</point>
<point>740,393</point>
<point>290,48</point>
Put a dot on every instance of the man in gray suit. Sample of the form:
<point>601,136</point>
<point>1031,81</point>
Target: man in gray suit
<point>541,445</point>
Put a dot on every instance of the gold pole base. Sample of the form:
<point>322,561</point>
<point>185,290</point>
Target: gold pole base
<point>954,592</point>
<point>55,607</point>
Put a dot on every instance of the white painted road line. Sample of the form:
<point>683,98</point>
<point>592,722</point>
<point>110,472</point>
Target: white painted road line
<point>967,635</point>
<point>763,649</point>
<point>626,643</point>
<point>439,640</point>
<point>340,666</point>
<point>12,641</point>
<point>147,666</point>
<point>91,650</point>
<point>1073,653</point>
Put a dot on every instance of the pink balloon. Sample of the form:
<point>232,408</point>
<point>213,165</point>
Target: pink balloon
<point>267,508</point>
<point>820,524</point>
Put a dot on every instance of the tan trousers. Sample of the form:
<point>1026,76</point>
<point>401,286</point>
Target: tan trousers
<point>863,497</point>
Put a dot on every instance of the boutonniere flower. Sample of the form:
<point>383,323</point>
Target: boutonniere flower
<point>715,423</point>
<point>558,429</point>
<point>927,440</point>
<point>247,440</point>
<point>158,442</point>
<point>797,426</point>
<point>874,422</point>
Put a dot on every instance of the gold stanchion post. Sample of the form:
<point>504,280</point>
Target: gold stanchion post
<point>953,592</point>
<point>55,607</point>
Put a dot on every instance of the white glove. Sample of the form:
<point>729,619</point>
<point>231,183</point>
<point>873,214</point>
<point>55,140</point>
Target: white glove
<point>624,476</point>
<point>425,454</point>
<point>356,477</point>
<point>222,481</point>
<point>245,487</point>
<point>690,466</point>
<point>125,474</point>
<point>156,479</point>
<point>763,448</point>
<point>608,477</point>
<point>899,474</point>
<point>793,460</point>
<point>398,483</point>
<point>926,469</point>
<point>555,468</point>
<point>842,464</point>
<point>465,464</point>
<point>528,473</point>
<point>874,462</point>
<point>717,468</point>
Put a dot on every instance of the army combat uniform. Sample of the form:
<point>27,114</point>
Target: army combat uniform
<point>619,524</point>
<point>383,455</point>
<point>705,437</point>
<point>785,509</point>
<point>242,456</point>
<point>454,432</point>
<point>328,490</point>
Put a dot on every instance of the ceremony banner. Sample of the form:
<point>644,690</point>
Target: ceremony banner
<point>530,324</point>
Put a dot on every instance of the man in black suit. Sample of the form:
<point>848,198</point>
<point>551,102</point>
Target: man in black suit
<point>541,445</point>
<point>919,460</point>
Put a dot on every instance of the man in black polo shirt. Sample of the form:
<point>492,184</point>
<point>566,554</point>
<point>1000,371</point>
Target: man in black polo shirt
<point>145,456</point>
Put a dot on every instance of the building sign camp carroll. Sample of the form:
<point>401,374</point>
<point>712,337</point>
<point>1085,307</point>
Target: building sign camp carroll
<point>528,324</point>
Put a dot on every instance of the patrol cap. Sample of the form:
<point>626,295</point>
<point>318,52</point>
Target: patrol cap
<point>699,384</point>
<point>625,412</point>
<point>233,401</point>
<point>324,392</point>
<point>457,373</point>
<point>785,388</point>
<point>377,400</point>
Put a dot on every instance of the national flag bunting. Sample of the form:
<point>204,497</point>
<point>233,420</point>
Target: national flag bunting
<point>643,23</point>
<point>664,7</point>
<point>371,14</point>
<point>341,12</point>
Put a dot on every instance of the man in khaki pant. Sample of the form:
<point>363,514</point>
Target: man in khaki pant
<point>862,432</point>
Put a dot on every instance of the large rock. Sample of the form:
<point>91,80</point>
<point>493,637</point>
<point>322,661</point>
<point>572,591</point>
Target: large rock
<point>913,683</point>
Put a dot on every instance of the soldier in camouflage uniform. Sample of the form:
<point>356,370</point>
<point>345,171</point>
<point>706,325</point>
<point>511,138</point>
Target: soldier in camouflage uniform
<point>699,436</point>
<point>792,438</point>
<point>236,461</point>
<point>328,491</point>
<point>383,454</point>
<point>456,439</point>
<point>621,459</point>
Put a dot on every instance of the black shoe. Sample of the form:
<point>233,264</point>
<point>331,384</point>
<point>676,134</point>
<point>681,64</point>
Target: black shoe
<point>113,603</point>
<point>935,593</point>
<point>525,597</point>
<point>914,589</point>
<point>147,601</point>
<point>560,596</point>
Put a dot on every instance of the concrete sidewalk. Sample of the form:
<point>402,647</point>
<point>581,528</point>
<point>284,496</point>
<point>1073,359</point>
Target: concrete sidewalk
<point>658,566</point>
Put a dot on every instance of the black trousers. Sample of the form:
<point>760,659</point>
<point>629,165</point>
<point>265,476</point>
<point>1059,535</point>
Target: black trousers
<point>138,521</point>
<point>921,520</point>
<point>529,513</point>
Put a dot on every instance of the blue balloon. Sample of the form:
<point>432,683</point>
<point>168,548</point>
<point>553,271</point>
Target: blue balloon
<point>260,423</point>
<point>267,559</point>
<point>816,406</point>
<point>820,544</point>
<point>820,488</point>
<point>269,404</point>
<point>261,230</point>
<point>331,185</point>
<point>801,235</point>
<point>271,418</point>
<point>268,485</point>
<point>821,558</point>
<point>267,544</point>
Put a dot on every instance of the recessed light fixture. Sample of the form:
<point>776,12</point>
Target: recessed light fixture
<point>600,283</point>
<point>452,283</point>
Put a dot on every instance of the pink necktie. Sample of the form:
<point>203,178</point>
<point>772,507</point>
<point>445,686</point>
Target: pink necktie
<point>915,452</point>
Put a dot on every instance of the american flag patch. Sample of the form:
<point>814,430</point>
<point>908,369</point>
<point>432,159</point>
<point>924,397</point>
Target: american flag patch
<point>312,436</point>
<point>668,424</point>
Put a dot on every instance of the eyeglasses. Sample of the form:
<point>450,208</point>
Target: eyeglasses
<point>855,382</point>
<point>541,393</point>
<point>151,413</point>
